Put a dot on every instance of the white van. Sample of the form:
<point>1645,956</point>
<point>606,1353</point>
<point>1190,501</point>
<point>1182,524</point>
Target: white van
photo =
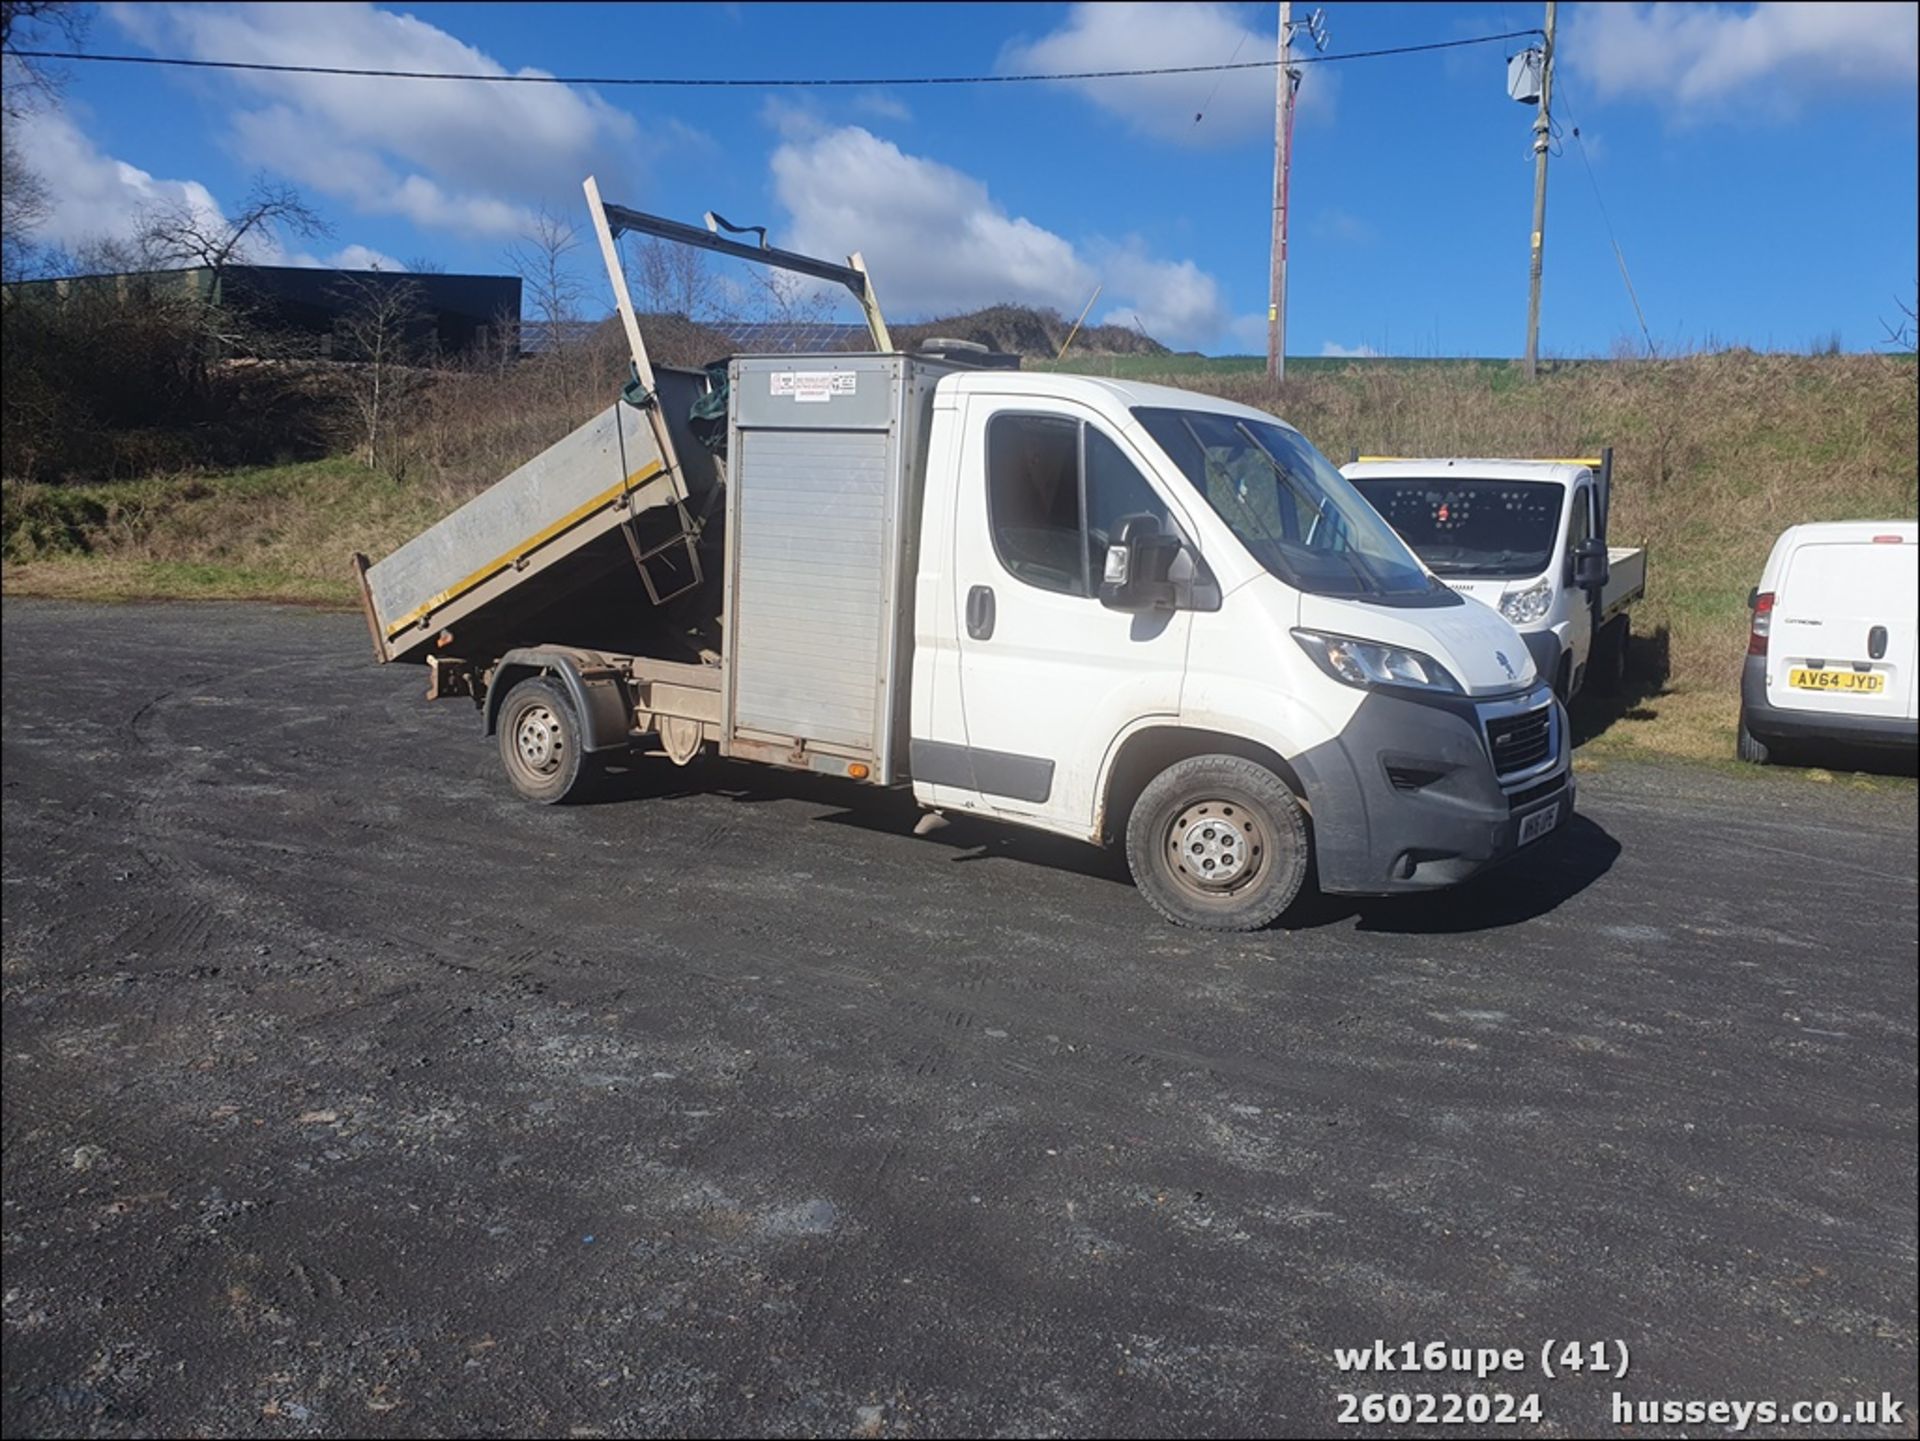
<point>1831,657</point>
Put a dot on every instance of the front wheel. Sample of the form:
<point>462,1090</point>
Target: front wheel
<point>541,743</point>
<point>1219,843</point>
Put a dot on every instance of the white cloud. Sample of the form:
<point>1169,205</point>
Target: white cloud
<point>1175,301</point>
<point>1234,105</point>
<point>360,257</point>
<point>1690,56</point>
<point>1249,332</point>
<point>469,157</point>
<point>883,106</point>
<point>91,195</point>
<point>1347,352</point>
<point>938,242</point>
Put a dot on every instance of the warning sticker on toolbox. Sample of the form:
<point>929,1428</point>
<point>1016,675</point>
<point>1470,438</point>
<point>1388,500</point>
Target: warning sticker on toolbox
<point>812,386</point>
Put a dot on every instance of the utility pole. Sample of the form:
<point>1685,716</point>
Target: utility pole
<point>1277,260</point>
<point>1542,136</point>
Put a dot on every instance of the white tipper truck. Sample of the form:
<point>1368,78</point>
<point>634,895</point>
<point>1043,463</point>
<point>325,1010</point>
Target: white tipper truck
<point>1529,538</point>
<point>1117,612</point>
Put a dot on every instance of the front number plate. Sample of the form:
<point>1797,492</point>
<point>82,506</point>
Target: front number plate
<point>1539,823</point>
<point>1859,682</point>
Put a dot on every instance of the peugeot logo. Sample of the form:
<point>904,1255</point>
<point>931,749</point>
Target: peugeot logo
<point>1505,664</point>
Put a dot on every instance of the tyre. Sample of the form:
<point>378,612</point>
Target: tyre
<point>541,743</point>
<point>1609,665</point>
<point>1563,679</point>
<point>1219,843</point>
<point>1750,746</point>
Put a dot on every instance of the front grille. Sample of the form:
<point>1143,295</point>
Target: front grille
<point>1520,742</point>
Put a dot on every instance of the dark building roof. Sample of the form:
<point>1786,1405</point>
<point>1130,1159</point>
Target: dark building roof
<point>458,311</point>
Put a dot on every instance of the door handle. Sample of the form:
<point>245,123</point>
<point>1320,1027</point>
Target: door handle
<point>980,612</point>
<point>1877,642</point>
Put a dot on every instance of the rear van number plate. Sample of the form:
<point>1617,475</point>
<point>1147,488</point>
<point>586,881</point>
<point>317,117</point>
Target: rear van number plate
<point>1539,823</point>
<point>1860,682</point>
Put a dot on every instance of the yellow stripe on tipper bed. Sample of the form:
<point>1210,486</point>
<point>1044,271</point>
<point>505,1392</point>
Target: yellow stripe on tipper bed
<point>526,547</point>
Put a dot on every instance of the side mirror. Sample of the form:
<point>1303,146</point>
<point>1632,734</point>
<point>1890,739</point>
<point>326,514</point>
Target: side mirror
<point>1139,562</point>
<point>1590,568</point>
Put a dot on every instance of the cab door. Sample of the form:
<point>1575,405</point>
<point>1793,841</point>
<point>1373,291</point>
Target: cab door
<point>1049,677</point>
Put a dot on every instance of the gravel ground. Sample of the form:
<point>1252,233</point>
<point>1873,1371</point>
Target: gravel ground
<point>346,1094</point>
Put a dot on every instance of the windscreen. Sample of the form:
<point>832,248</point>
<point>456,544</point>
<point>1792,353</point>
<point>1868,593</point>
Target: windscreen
<point>1290,508</point>
<point>1463,527</point>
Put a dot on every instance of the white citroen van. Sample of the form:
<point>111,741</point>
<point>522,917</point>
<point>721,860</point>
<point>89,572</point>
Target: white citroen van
<point>1831,657</point>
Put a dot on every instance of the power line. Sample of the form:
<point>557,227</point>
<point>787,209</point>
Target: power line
<point>1607,220</point>
<point>720,83</point>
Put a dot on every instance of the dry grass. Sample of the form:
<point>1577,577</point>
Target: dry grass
<point>1714,456</point>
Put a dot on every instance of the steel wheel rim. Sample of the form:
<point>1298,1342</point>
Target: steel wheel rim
<point>1216,846</point>
<point>537,740</point>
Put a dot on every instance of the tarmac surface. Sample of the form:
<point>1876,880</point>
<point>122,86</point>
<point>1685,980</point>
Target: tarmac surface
<point>346,1094</point>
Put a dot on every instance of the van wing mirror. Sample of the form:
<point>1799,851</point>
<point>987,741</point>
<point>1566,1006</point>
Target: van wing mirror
<point>1136,573</point>
<point>1590,566</point>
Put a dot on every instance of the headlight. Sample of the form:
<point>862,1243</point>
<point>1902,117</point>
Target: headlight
<point>1523,607</point>
<point>1368,663</point>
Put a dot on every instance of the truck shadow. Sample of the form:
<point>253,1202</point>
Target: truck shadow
<point>1649,664</point>
<point>1531,885</point>
<point>1539,880</point>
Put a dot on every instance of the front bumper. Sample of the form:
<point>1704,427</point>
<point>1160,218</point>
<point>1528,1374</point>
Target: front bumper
<point>1785,723</point>
<point>1406,799</point>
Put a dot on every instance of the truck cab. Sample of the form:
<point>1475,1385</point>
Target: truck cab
<point>1116,579</point>
<point>1529,538</point>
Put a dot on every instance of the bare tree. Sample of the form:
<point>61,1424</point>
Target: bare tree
<point>783,298</point>
<point>24,206</point>
<point>378,335</point>
<point>26,84</point>
<point>178,234</point>
<point>1902,333</point>
<point>673,279</point>
<point>554,293</point>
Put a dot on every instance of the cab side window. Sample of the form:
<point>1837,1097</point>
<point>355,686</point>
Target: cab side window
<point>1033,500</point>
<point>1056,489</point>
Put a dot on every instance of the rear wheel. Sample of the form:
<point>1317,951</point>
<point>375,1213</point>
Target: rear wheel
<point>1218,842</point>
<point>1751,747</point>
<point>541,743</point>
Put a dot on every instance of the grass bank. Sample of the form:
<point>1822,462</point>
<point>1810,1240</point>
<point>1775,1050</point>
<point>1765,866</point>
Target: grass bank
<point>1714,456</point>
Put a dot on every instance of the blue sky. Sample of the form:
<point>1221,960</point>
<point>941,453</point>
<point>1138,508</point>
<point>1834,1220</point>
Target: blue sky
<point>1758,162</point>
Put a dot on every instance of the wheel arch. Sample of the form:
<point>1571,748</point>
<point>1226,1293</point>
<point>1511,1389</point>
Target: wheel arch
<point>598,696</point>
<point>1148,751</point>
